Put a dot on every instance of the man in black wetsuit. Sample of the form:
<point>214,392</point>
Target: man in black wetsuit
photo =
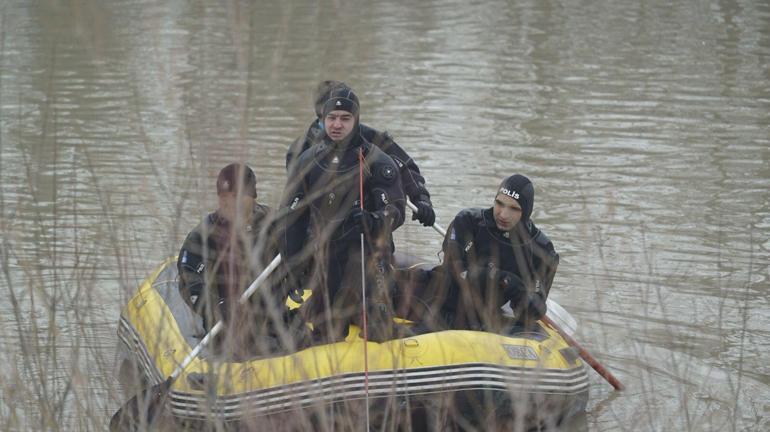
<point>222,256</point>
<point>494,256</point>
<point>412,181</point>
<point>324,220</point>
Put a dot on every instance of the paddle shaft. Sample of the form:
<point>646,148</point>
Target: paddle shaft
<point>585,355</point>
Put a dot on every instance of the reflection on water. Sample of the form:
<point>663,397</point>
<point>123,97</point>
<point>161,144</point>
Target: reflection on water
<point>644,126</point>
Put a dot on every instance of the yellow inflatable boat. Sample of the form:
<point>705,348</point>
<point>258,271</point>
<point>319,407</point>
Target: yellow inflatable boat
<point>450,376</point>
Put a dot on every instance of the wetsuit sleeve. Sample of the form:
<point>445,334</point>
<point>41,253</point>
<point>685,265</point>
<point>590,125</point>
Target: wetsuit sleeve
<point>191,267</point>
<point>295,149</point>
<point>387,194</point>
<point>294,221</point>
<point>457,243</point>
<point>267,228</point>
<point>545,261</point>
<point>413,182</point>
<point>458,239</point>
<point>459,251</point>
<point>303,143</point>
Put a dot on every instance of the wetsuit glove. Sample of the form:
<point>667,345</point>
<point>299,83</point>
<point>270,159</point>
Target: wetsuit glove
<point>536,307</point>
<point>511,285</point>
<point>425,213</point>
<point>365,221</point>
<point>291,273</point>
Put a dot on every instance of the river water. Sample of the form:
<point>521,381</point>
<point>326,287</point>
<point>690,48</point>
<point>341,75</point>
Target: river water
<point>644,126</point>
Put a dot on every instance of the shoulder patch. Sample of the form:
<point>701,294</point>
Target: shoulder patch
<point>387,172</point>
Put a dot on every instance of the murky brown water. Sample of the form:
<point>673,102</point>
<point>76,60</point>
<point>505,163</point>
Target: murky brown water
<point>644,126</point>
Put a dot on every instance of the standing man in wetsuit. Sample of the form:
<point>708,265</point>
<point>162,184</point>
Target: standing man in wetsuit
<point>412,181</point>
<point>324,220</point>
<point>493,256</point>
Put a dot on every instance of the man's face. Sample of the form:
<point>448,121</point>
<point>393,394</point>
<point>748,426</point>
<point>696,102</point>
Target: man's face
<point>338,124</point>
<point>507,212</point>
<point>236,209</point>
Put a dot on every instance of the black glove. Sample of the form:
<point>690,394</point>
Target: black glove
<point>424,213</point>
<point>511,285</point>
<point>291,287</point>
<point>364,220</point>
<point>296,295</point>
<point>536,307</point>
<point>446,318</point>
<point>291,275</point>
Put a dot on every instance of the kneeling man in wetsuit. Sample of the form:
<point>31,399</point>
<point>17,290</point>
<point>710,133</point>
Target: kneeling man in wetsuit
<point>492,257</point>
<point>222,256</point>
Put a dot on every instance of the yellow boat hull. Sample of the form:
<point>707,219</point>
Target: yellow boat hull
<point>155,336</point>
